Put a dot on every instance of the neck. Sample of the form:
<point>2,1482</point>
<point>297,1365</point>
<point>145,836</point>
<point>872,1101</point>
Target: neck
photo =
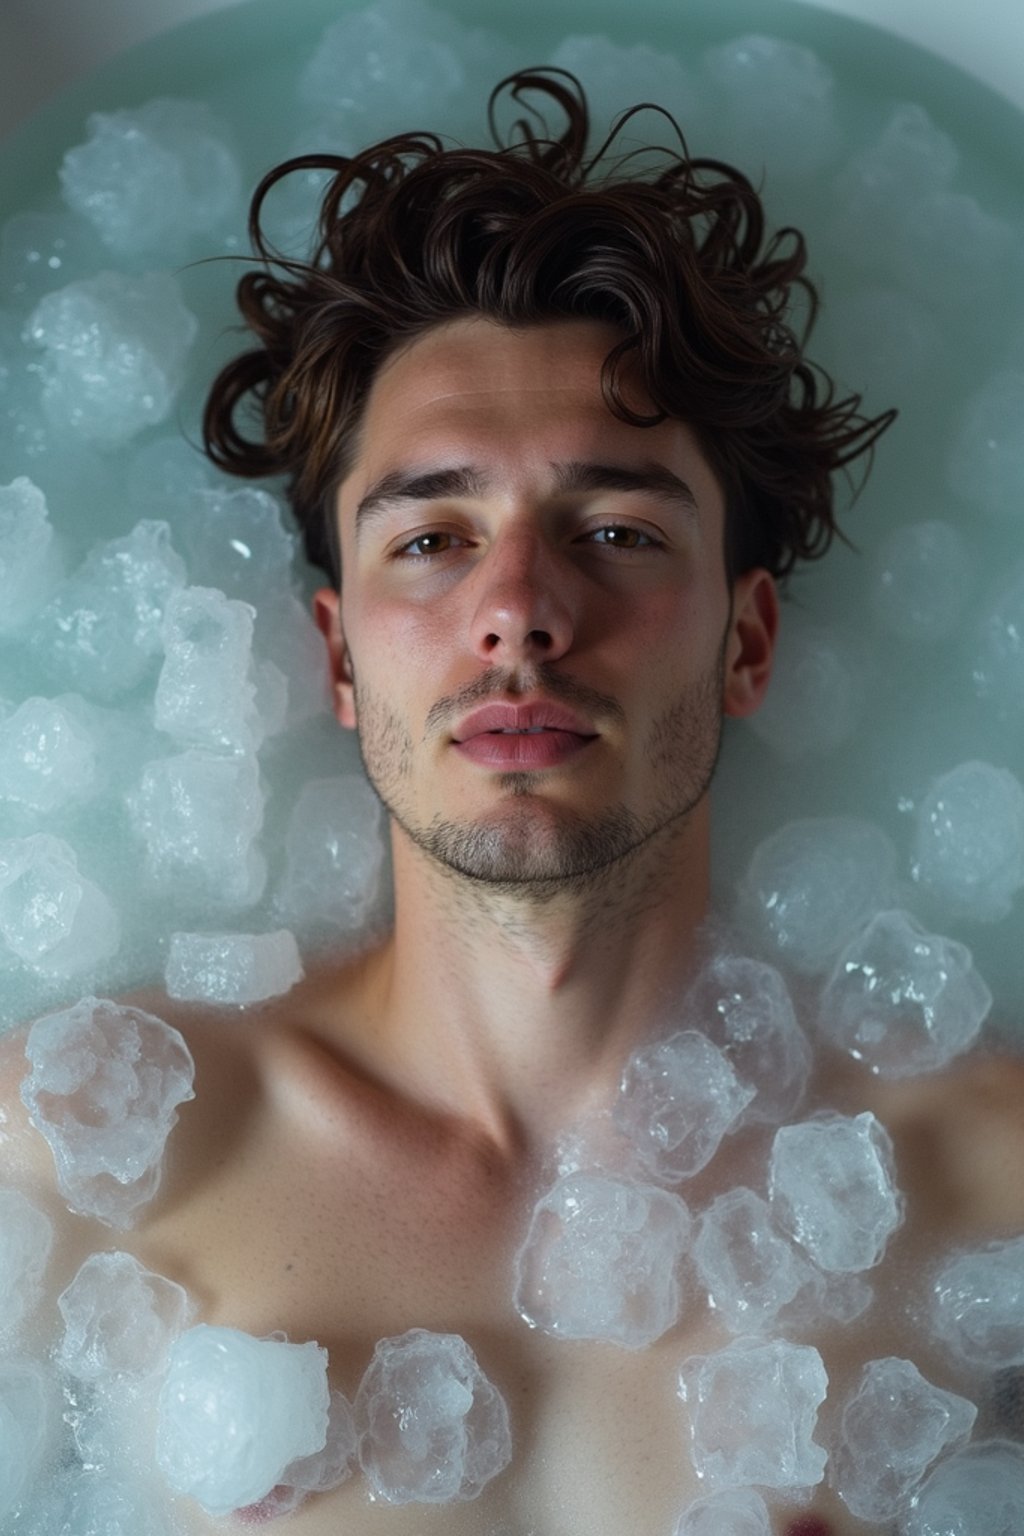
<point>515,1009</point>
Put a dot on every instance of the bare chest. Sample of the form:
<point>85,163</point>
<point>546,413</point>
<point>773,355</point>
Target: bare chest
<point>351,1243</point>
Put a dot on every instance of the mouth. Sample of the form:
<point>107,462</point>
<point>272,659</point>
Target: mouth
<point>506,720</point>
<point>523,749</point>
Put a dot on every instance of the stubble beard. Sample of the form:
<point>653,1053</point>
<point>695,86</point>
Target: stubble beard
<point>514,854</point>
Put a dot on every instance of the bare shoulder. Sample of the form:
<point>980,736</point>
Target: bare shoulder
<point>962,1134</point>
<point>254,1067</point>
<point>26,1160</point>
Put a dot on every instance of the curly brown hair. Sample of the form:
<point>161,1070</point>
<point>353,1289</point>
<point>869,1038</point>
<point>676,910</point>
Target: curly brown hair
<point>526,234</point>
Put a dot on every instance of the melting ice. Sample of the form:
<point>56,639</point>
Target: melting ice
<point>235,1411</point>
<point>832,1185</point>
<point>433,1427</point>
<point>602,1259</point>
<point>104,1090</point>
<point>753,1410</point>
<point>894,1425</point>
<point>901,1000</point>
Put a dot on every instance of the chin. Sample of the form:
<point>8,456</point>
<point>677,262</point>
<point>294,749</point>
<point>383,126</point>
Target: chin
<point>533,841</point>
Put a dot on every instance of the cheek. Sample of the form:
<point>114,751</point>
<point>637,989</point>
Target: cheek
<point>384,640</point>
<point>682,627</point>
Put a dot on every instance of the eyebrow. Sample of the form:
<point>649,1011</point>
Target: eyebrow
<point>573,475</point>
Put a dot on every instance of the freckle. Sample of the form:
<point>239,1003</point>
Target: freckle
<point>289,1266</point>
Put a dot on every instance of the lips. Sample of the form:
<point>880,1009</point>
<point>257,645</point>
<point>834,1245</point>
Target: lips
<point>522,737</point>
<point>514,718</point>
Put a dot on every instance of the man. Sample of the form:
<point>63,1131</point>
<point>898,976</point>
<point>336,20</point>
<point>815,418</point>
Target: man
<point>549,587</point>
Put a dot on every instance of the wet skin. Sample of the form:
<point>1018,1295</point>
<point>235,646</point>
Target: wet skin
<point>362,1155</point>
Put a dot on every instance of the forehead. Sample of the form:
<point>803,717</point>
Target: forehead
<point>517,398</point>
<point>480,351</point>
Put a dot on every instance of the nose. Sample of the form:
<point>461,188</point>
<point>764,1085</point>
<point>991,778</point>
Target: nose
<point>523,611</point>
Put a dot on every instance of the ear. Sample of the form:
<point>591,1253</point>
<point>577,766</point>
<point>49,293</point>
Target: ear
<point>327,616</point>
<point>750,644</point>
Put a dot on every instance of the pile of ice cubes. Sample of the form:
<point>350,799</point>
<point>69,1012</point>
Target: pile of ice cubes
<point>610,1255</point>
<point>176,801</point>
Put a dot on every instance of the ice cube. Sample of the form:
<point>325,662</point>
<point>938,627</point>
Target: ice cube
<point>103,628</point>
<point>969,840</point>
<point>998,660</point>
<point>205,695</point>
<point>30,564</point>
<point>235,1411</point>
<point>297,649</point>
<point>744,1006</point>
<point>813,884</point>
<point>986,458</point>
<point>148,178</point>
<point>818,690</point>
<point>271,700</point>
<point>750,1270</point>
<point>162,478</point>
<point>832,1187</point>
<point>329,1467</point>
<point>44,250</point>
<point>434,1429</point>
<point>731,1512</point>
<point>909,160</point>
<point>885,337</point>
<point>95,1501</point>
<point>234,968</point>
<point>52,918</point>
<point>978,1491</point>
<point>334,855</point>
<point>104,1088</point>
<point>922,582</point>
<point>844,1296</point>
<point>26,1240</point>
<point>396,57</point>
<point>774,105</point>
<point>753,1409</point>
<point>119,1319</point>
<point>47,756</point>
<point>677,1099</point>
<point>199,815</point>
<point>236,540</point>
<point>901,1000</point>
<point>978,1304</point>
<point>617,77</point>
<point>115,349</point>
<point>27,1427</point>
<point>955,254</point>
<point>894,1425</point>
<point>602,1259</point>
<point>114,1424</point>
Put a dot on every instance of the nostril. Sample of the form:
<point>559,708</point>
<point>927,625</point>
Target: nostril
<point>540,639</point>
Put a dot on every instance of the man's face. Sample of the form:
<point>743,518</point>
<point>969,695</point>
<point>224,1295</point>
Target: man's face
<point>558,563</point>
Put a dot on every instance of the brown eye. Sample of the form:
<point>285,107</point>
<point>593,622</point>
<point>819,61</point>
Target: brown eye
<point>622,536</point>
<point>428,544</point>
